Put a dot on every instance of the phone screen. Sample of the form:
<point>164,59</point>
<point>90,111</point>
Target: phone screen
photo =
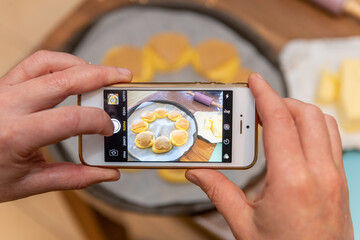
<point>169,126</point>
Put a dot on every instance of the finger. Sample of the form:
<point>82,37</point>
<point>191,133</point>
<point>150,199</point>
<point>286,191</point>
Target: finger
<point>281,141</point>
<point>40,63</point>
<point>228,198</point>
<point>313,132</point>
<point>47,127</point>
<point>335,141</point>
<point>49,90</point>
<point>63,176</point>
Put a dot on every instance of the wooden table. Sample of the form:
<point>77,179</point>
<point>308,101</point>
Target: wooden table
<point>276,21</point>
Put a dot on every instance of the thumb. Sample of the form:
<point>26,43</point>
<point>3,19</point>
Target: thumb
<point>227,197</point>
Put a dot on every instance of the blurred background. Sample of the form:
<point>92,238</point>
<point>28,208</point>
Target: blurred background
<point>301,48</point>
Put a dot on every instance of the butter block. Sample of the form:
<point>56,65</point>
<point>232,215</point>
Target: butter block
<point>349,96</point>
<point>328,89</point>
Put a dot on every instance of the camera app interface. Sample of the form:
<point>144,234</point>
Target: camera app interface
<point>169,126</point>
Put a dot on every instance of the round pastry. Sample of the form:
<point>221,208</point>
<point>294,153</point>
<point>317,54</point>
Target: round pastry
<point>178,137</point>
<point>161,145</point>
<point>148,116</point>
<point>139,126</point>
<point>216,60</point>
<point>241,76</point>
<point>182,124</point>
<point>161,112</point>
<point>173,175</point>
<point>169,51</point>
<point>144,139</point>
<point>132,58</point>
<point>174,115</point>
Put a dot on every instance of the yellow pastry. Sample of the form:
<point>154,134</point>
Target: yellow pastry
<point>178,137</point>
<point>217,60</point>
<point>173,175</point>
<point>161,112</point>
<point>144,139</point>
<point>169,51</point>
<point>139,126</point>
<point>148,116</point>
<point>174,115</point>
<point>132,58</point>
<point>182,124</point>
<point>161,145</point>
<point>241,76</point>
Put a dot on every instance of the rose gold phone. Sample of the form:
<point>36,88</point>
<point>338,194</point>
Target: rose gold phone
<point>200,125</point>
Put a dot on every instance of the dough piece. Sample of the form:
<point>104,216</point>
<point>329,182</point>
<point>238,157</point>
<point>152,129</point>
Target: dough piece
<point>148,116</point>
<point>169,51</point>
<point>216,60</point>
<point>182,124</point>
<point>139,126</point>
<point>174,115</point>
<point>161,112</point>
<point>242,76</point>
<point>144,139</point>
<point>162,145</point>
<point>132,58</point>
<point>178,137</point>
<point>173,175</point>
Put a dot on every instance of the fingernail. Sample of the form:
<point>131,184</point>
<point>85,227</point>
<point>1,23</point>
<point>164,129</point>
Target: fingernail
<point>125,71</point>
<point>259,76</point>
<point>192,178</point>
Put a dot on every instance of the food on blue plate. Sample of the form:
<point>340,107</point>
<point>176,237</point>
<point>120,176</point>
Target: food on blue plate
<point>144,139</point>
<point>148,116</point>
<point>139,126</point>
<point>132,58</point>
<point>162,145</point>
<point>182,124</point>
<point>169,51</point>
<point>217,60</point>
<point>161,112</point>
<point>178,137</point>
<point>174,115</point>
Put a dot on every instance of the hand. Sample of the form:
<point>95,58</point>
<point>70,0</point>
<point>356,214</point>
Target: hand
<point>306,195</point>
<point>27,122</point>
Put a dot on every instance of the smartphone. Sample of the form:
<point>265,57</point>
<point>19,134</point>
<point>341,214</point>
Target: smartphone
<point>190,125</point>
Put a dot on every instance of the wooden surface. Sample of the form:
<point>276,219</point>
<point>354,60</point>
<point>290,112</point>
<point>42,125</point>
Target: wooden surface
<point>201,151</point>
<point>277,21</point>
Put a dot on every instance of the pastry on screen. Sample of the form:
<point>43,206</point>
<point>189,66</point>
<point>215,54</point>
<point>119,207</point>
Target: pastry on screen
<point>132,58</point>
<point>182,124</point>
<point>161,112</point>
<point>173,175</point>
<point>169,51</point>
<point>216,60</point>
<point>174,115</point>
<point>148,116</point>
<point>161,145</point>
<point>178,137</point>
<point>139,126</point>
<point>144,139</point>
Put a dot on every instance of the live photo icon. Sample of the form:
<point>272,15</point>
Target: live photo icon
<point>113,99</point>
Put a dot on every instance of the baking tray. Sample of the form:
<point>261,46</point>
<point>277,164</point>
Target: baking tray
<point>256,55</point>
<point>179,153</point>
